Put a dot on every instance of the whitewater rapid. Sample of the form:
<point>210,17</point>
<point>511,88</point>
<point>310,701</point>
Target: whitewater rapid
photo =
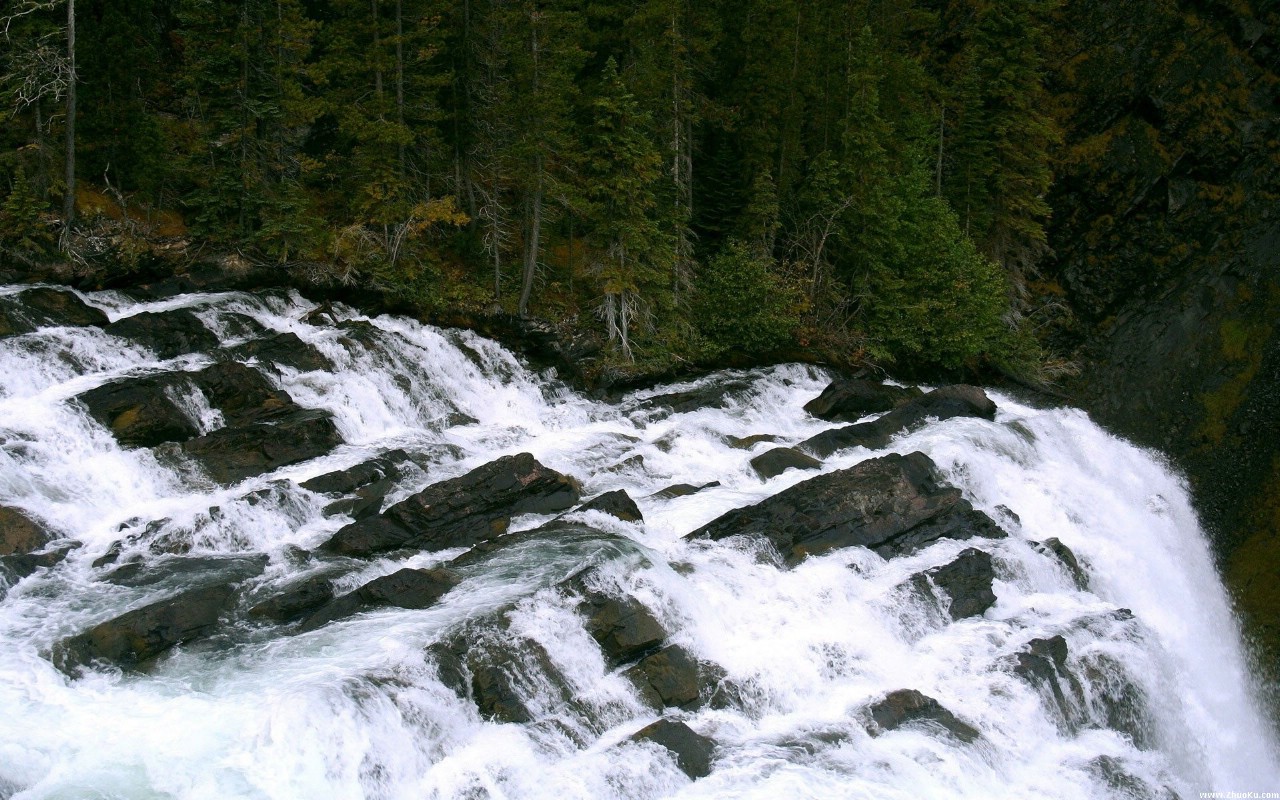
<point>357,708</point>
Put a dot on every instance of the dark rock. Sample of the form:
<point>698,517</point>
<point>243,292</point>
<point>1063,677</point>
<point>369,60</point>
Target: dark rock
<point>1113,773</point>
<point>19,533</point>
<point>44,307</point>
<point>907,707</point>
<point>713,395</point>
<point>461,511</point>
<point>668,678</point>
<point>693,751</point>
<point>17,567</point>
<point>140,635</point>
<point>893,504</point>
<point>283,350</point>
<point>142,412</point>
<point>233,454</point>
<point>495,668</point>
<point>943,403</point>
<point>1043,664</point>
<point>350,479</point>
<point>166,333</point>
<point>1053,548</point>
<point>967,581</point>
<point>682,490</point>
<point>297,602</point>
<point>188,570</point>
<point>748,442</point>
<point>780,459</point>
<point>623,627</point>
<point>851,399</point>
<point>616,503</point>
<point>241,393</point>
<point>406,588</point>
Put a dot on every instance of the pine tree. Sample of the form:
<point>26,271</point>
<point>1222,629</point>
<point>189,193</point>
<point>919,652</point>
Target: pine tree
<point>633,254</point>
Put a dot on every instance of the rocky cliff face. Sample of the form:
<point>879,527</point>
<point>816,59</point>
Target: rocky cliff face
<point>1167,240</point>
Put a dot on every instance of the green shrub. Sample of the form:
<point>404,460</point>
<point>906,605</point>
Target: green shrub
<point>742,305</point>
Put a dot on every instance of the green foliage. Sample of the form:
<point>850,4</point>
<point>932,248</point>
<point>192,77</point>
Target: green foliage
<point>742,306</point>
<point>22,231</point>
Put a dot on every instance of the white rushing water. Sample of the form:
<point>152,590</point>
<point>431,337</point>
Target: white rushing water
<point>358,709</point>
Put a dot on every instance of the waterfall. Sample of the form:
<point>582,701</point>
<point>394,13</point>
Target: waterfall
<point>1154,697</point>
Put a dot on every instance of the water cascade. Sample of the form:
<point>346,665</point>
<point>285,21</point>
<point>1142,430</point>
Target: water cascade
<point>1108,665</point>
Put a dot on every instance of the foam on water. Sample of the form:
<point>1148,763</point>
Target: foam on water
<point>357,708</point>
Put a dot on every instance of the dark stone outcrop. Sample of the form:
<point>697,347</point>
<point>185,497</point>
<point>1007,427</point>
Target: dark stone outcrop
<point>166,333</point>
<point>893,504</point>
<point>19,533</point>
<point>282,350</point>
<point>780,459</point>
<point>967,582</point>
<point>188,570</point>
<point>461,511</point>
<point>1043,664</point>
<point>717,394</point>
<point>143,411</point>
<point>693,752</point>
<point>616,503</point>
<point>230,455</point>
<point>296,602</point>
<point>909,707</point>
<point>405,588</point>
<point>623,627</point>
<point>352,478</point>
<point>1055,549</point>
<point>14,568</point>
<point>44,307</point>
<point>140,412</point>
<point>671,677</point>
<point>848,400</point>
<point>944,403</point>
<point>493,667</point>
<point>682,490</point>
<point>132,639</point>
<point>748,442</point>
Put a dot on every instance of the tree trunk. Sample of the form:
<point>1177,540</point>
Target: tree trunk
<point>532,243</point>
<point>69,196</point>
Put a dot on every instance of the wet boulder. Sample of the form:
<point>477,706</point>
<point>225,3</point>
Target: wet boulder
<point>168,334</point>
<point>14,568</point>
<point>143,411</point>
<point>405,588</point>
<point>498,670</point>
<point>909,707</point>
<point>296,602</point>
<point>1042,663</point>
<point>616,503</point>
<point>188,570</point>
<point>669,678</point>
<point>693,752</point>
<point>774,462</point>
<point>623,627</point>
<point>461,511</point>
<point>748,442</point>
<point>940,404</point>
<point>363,474</point>
<point>20,534</point>
<point>967,583</point>
<point>894,504</point>
<point>717,394</point>
<point>848,400</point>
<point>1055,549</point>
<point>230,455</point>
<point>133,638</point>
<point>149,410</point>
<point>282,350</point>
<point>682,490</point>
<point>44,307</point>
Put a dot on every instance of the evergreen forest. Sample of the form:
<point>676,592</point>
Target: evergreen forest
<point>689,181</point>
